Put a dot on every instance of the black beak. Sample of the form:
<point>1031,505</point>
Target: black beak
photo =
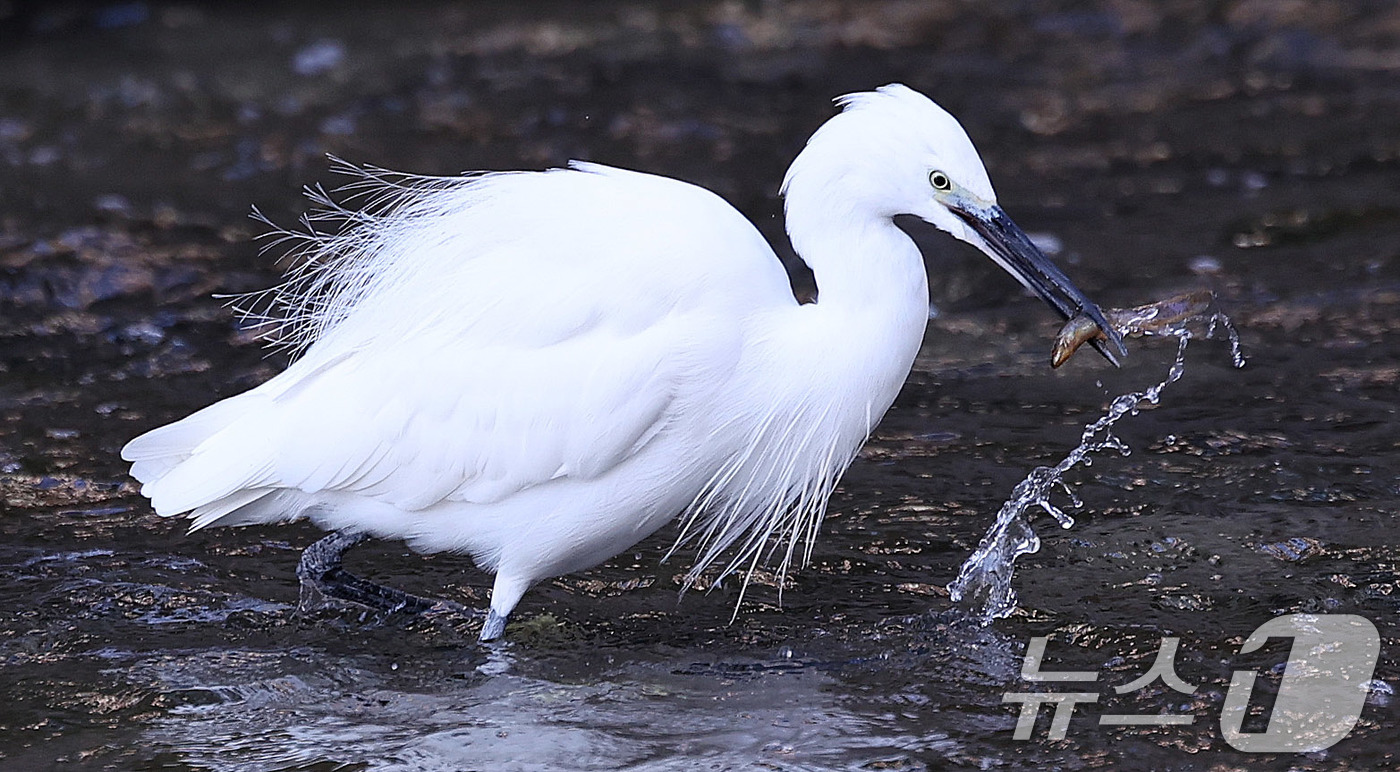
<point>1015,252</point>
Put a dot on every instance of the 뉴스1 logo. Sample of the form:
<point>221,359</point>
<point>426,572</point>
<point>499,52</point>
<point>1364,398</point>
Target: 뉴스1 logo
<point>1323,691</point>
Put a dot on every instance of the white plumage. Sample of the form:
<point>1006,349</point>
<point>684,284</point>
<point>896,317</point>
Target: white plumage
<point>539,369</point>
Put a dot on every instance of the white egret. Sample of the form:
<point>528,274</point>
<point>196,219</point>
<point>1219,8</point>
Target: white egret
<point>540,369</point>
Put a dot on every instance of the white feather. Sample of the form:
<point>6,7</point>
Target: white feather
<point>542,368</point>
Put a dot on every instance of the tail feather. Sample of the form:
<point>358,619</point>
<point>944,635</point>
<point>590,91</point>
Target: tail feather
<point>205,478</point>
<point>209,464</point>
<point>179,439</point>
<point>265,505</point>
<point>226,510</point>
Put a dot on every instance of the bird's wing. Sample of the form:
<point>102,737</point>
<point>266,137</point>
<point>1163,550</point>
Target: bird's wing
<point>416,426</point>
<point>530,333</point>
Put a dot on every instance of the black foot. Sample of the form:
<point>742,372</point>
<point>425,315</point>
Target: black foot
<point>321,576</point>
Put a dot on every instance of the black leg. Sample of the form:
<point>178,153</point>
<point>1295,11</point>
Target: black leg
<point>321,576</point>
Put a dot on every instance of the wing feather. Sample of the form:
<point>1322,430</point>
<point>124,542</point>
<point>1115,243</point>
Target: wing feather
<point>480,337</point>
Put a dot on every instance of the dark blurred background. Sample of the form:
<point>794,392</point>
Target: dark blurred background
<point>1251,146</point>
<point>144,127</point>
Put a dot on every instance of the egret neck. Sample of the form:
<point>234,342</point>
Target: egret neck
<point>872,291</point>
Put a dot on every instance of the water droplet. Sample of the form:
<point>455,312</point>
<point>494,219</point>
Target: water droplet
<point>983,585</point>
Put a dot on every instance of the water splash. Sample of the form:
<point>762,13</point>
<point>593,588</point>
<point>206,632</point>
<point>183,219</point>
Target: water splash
<point>983,587</point>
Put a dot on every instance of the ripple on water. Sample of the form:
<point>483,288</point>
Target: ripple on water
<point>243,709</point>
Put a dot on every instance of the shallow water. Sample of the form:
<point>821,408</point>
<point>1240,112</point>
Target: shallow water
<point>984,588</point>
<point>1241,146</point>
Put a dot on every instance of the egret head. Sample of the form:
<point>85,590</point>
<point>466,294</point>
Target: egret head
<point>894,151</point>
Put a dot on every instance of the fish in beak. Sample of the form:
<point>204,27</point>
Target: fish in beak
<point>1009,246</point>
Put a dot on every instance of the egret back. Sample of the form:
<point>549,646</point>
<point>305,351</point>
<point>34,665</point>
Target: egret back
<point>470,338</point>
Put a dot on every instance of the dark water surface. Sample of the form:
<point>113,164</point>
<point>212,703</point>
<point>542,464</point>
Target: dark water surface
<point>1251,147</point>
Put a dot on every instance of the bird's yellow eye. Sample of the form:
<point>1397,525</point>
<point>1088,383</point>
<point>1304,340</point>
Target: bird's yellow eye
<point>940,181</point>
